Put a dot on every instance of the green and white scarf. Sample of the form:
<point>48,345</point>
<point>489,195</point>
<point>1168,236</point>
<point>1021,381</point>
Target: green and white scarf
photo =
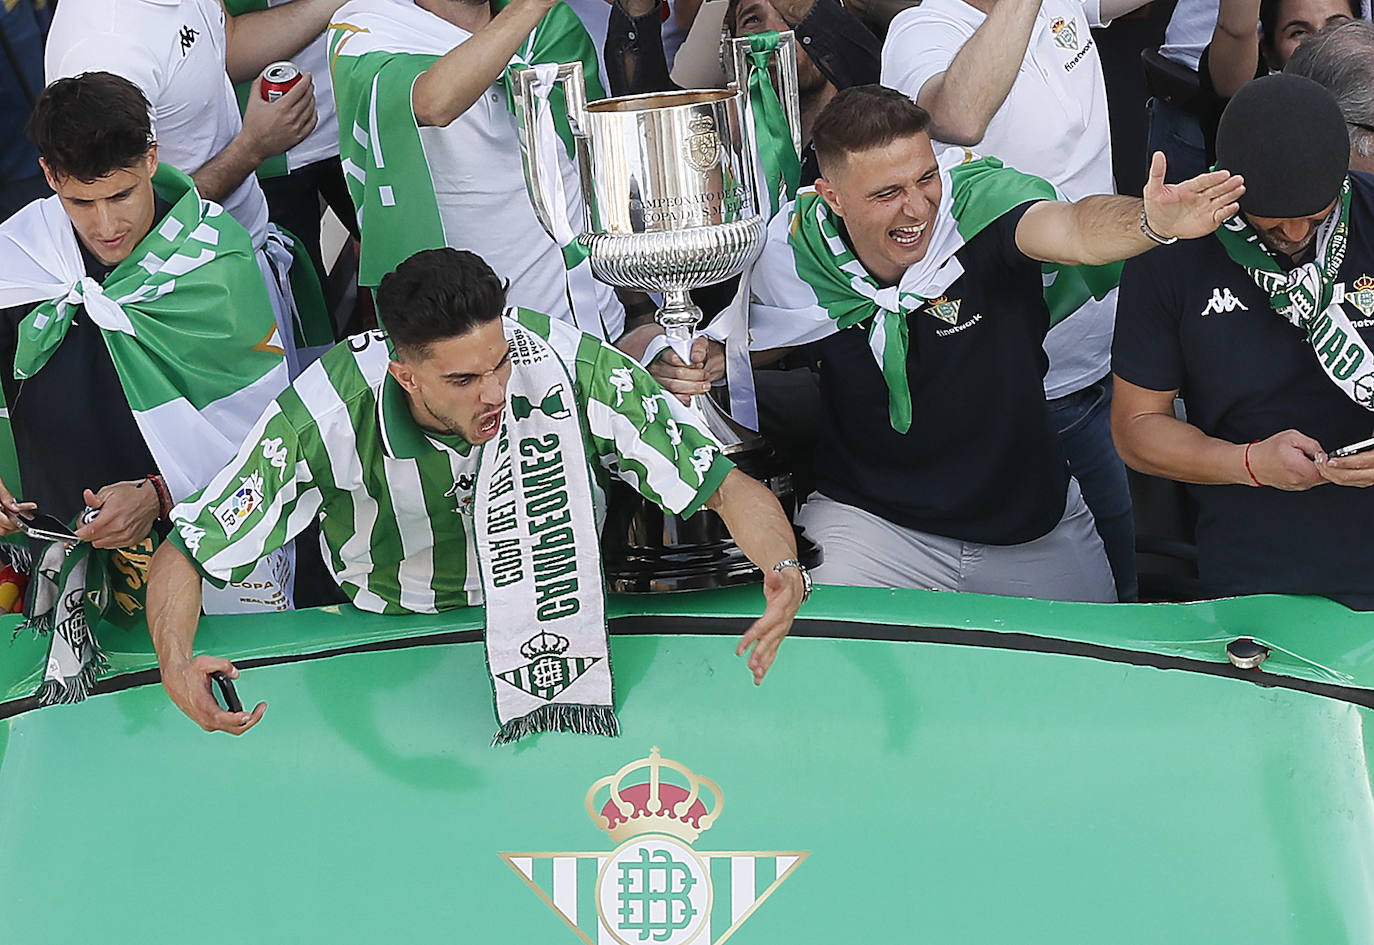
<point>975,191</point>
<point>538,551</point>
<point>1305,295</point>
<point>378,48</point>
<point>192,337</point>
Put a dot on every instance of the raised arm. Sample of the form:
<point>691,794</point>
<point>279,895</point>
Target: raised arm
<point>450,87</point>
<point>255,40</point>
<point>1103,229</point>
<point>757,524</point>
<point>963,99</point>
<point>1233,55</point>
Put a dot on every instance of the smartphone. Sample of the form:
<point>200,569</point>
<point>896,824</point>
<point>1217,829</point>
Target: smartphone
<point>41,527</point>
<point>228,695</point>
<point>1363,446</point>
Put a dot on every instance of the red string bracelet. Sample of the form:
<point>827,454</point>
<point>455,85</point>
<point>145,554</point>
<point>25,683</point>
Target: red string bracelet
<point>164,497</point>
<point>1253,477</point>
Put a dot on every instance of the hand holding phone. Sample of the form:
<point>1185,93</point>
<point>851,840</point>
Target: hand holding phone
<point>43,527</point>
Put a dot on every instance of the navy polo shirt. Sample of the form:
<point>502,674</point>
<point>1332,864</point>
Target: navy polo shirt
<point>1190,319</point>
<point>982,461</point>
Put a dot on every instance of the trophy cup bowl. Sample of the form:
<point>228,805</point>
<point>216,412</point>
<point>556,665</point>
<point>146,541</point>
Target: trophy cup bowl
<point>670,203</point>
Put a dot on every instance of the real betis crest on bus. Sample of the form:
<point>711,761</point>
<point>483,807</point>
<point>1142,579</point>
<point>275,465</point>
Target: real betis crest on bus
<point>654,886</point>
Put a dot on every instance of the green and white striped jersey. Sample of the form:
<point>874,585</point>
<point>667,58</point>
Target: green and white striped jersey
<point>394,501</point>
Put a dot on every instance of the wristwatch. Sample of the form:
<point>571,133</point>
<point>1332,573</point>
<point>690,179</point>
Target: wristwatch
<point>801,569</point>
<point>1145,228</point>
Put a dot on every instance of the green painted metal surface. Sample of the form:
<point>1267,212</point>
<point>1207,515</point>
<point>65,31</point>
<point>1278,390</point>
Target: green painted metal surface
<point>945,793</point>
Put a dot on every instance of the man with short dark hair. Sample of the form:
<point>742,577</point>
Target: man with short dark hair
<point>1265,331</point>
<point>152,352</point>
<point>460,459</point>
<point>919,280</point>
<point>182,55</point>
<point>1021,81</point>
<point>1340,58</point>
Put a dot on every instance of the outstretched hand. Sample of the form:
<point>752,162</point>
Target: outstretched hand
<point>783,591</point>
<point>189,683</point>
<point>1194,207</point>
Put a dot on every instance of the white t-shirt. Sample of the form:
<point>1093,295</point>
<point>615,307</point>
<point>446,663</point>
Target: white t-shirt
<point>479,185</point>
<point>1189,31</point>
<point>1053,124</point>
<point>174,50</point>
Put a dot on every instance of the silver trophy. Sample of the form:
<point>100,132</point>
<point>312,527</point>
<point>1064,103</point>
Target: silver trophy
<point>670,203</point>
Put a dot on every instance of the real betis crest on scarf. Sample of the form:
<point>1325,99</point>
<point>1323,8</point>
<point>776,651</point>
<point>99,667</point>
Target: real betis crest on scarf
<point>377,49</point>
<point>192,337</point>
<point>975,191</point>
<point>1305,296</point>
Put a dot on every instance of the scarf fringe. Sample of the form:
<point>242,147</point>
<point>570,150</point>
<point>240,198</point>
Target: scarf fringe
<point>21,559</point>
<point>578,719</point>
<point>53,692</point>
<point>40,625</point>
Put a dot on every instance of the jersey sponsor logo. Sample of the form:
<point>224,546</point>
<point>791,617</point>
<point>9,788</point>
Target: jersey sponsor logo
<point>234,511</point>
<point>1223,301</point>
<point>1361,295</point>
<point>702,459</point>
<point>191,536</point>
<point>655,887</point>
<point>624,382</point>
<point>275,453</point>
<point>1065,33</point>
<point>947,310</point>
<point>187,39</point>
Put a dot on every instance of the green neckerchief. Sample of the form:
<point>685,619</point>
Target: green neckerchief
<point>1305,294</point>
<point>974,194</point>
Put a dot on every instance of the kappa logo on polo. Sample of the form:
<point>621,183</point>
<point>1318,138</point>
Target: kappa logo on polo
<point>1223,301</point>
<point>654,887</point>
<point>548,671</point>
<point>1065,33</point>
<point>187,39</point>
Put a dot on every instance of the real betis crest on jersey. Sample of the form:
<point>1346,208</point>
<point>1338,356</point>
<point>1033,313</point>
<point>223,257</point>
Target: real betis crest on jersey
<point>1065,32</point>
<point>1361,295</point>
<point>947,310</point>
<point>655,886</point>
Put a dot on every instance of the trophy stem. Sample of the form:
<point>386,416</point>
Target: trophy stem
<point>679,317</point>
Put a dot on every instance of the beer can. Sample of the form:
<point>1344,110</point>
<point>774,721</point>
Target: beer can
<point>278,79</point>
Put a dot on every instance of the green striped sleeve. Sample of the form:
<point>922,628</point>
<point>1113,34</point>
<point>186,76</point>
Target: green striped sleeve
<point>644,434</point>
<point>245,511</point>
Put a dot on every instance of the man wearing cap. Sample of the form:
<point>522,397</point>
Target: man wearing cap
<point>1266,330</point>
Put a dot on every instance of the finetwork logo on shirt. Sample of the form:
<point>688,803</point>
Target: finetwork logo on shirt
<point>1223,301</point>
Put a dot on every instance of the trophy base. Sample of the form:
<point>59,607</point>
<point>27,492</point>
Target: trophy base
<point>647,550</point>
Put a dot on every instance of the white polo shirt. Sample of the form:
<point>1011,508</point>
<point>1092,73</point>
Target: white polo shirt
<point>174,50</point>
<point>1053,124</point>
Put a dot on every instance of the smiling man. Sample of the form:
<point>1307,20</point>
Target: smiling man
<point>920,281</point>
<point>462,458</point>
<point>140,347</point>
<point>1266,332</point>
